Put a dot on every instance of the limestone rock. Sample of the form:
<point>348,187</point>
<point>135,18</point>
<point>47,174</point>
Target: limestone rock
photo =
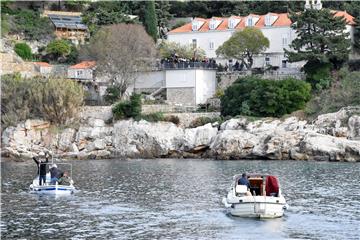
<point>354,127</point>
<point>200,136</point>
<point>234,124</point>
<point>66,138</point>
<point>325,147</point>
<point>233,144</point>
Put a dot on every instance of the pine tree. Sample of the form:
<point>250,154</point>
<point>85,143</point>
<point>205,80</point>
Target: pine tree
<point>150,19</point>
<point>320,38</point>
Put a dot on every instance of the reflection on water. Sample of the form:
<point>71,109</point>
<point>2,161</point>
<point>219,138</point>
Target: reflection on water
<point>180,199</point>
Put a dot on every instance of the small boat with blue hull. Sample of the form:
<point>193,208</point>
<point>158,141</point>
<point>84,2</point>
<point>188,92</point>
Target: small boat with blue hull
<point>53,187</point>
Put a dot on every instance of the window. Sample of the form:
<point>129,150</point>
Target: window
<point>250,21</point>
<point>284,39</point>
<point>283,63</point>
<point>211,45</point>
<point>194,43</point>
<point>195,25</point>
<point>267,60</point>
<point>231,23</point>
<point>79,73</point>
<point>212,24</point>
<point>268,20</point>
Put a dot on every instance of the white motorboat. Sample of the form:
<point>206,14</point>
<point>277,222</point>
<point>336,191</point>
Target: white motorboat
<point>262,200</point>
<point>51,188</point>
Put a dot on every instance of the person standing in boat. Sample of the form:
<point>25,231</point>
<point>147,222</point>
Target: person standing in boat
<point>55,174</point>
<point>42,167</point>
<point>244,180</point>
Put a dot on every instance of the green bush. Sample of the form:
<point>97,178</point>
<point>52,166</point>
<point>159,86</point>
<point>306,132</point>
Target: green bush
<point>152,117</point>
<point>258,97</point>
<point>200,121</point>
<point>59,48</point>
<point>318,74</point>
<point>128,108</point>
<point>171,118</point>
<point>32,25</point>
<point>23,50</point>
<point>112,94</point>
<point>55,100</point>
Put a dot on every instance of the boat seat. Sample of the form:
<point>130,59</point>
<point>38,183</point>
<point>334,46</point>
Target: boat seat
<point>241,189</point>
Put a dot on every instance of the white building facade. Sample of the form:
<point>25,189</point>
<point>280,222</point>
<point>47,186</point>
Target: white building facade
<point>209,34</point>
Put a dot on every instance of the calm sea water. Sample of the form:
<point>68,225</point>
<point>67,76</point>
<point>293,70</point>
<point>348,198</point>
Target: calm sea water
<point>179,199</point>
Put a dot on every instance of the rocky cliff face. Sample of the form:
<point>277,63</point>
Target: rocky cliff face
<point>331,137</point>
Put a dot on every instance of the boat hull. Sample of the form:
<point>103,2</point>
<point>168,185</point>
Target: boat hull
<point>52,190</point>
<point>257,210</point>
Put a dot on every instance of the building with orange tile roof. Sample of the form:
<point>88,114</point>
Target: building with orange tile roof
<point>82,71</point>
<point>211,33</point>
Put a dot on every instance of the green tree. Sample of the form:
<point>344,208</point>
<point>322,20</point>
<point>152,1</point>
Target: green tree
<point>107,13</point>
<point>60,48</point>
<point>162,9</point>
<point>320,38</point>
<point>55,100</point>
<point>23,50</point>
<point>150,22</point>
<point>32,25</point>
<point>263,97</point>
<point>128,108</point>
<point>243,45</point>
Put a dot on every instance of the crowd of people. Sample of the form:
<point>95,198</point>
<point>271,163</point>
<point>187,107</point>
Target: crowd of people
<point>174,61</point>
<point>56,175</point>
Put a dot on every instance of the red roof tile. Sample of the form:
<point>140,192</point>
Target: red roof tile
<point>282,20</point>
<point>349,19</point>
<point>84,65</point>
<point>42,64</point>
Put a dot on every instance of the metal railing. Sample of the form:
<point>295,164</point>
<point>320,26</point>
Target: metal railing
<point>188,65</point>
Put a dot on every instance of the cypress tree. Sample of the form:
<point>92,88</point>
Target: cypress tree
<point>150,19</point>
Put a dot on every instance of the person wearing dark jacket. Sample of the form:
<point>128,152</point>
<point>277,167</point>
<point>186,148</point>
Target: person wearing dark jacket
<point>42,169</point>
<point>244,180</point>
<point>55,174</point>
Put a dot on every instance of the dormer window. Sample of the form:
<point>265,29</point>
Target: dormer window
<point>233,21</point>
<point>268,20</point>
<point>212,24</point>
<point>195,25</point>
<point>249,22</point>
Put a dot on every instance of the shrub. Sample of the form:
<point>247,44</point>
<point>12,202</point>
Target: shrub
<point>171,118</point>
<point>128,108</point>
<point>55,100</point>
<point>23,50</point>
<point>200,121</point>
<point>318,74</point>
<point>152,117</point>
<point>32,25</point>
<point>112,94</point>
<point>59,48</point>
<point>343,93</point>
<point>264,98</point>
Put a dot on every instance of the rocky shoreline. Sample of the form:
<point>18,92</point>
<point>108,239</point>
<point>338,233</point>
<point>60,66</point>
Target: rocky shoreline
<point>330,137</point>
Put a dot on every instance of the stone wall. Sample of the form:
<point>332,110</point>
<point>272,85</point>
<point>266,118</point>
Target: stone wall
<point>182,96</point>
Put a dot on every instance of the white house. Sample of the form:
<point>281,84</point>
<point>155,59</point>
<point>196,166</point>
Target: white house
<point>209,34</point>
<point>82,71</point>
<point>43,68</point>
